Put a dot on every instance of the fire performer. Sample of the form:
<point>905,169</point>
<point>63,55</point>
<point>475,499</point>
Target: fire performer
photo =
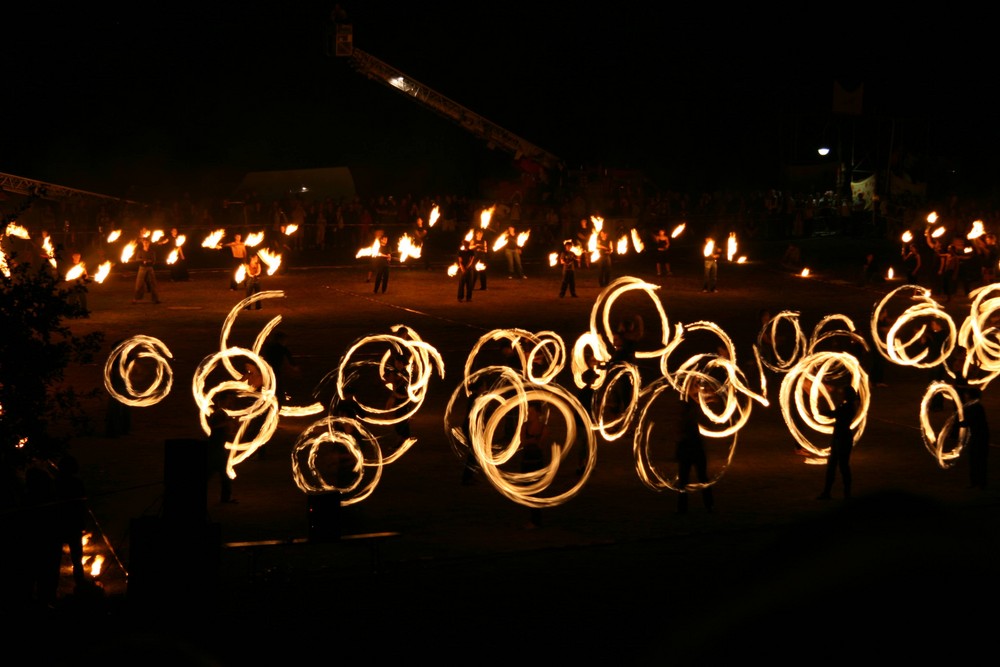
<point>178,270</point>
<point>380,264</point>
<point>605,249</point>
<point>712,253</point>
<point>420,240</point>
<point>662,243</point>
<point>252,280</point>
<point>145,278</point>
<point>239,250</point>
<point>481,249</point>
<point>513,252</point>
<point>466,271</point>
<point>567,258</point>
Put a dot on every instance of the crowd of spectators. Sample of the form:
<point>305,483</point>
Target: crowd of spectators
<point>338,227</point>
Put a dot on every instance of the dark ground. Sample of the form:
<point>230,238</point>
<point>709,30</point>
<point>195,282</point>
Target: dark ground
<point>904,570</point>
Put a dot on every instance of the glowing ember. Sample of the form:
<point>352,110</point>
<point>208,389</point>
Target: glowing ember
<point>273,261</point>
<point>637,240</point>
<point>214,239</point>
<point>486,216</point>
<point>103,271</point>
<point>75,271</point>
<point>114,235</point>
<point>127,252</point>
<point>678,230</point>
<point>805,273</point>
<point>254,239</point>
<point>433,217</point>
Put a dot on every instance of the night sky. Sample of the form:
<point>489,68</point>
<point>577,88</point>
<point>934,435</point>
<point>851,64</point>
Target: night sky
<point>172,95</point>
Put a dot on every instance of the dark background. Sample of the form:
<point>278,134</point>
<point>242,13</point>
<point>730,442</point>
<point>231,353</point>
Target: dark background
<point>168,97</point>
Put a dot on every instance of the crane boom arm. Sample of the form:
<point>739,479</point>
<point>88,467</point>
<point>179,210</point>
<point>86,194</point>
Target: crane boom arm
<point>490,132</point>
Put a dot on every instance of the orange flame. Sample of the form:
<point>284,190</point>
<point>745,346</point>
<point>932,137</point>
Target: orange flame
<point>103,271</point>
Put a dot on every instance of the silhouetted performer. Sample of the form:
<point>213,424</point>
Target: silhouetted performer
<point>222,429</point>
<point>979,436</point>
<point>842,443</point>
<point>72,514</point>
<point>691,454</point>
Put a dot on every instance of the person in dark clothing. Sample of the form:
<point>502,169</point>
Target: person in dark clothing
<point>71,496</point>
<point>380,264</point>
<point>842,443</point>
<point>277,355</point>
<point>466,271</point>
<point>691,453</point>
<point>222,428</point>
<point>482,249</point>
<point>567,259</point>
<point>145,277</point>
<point>974,419</point>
